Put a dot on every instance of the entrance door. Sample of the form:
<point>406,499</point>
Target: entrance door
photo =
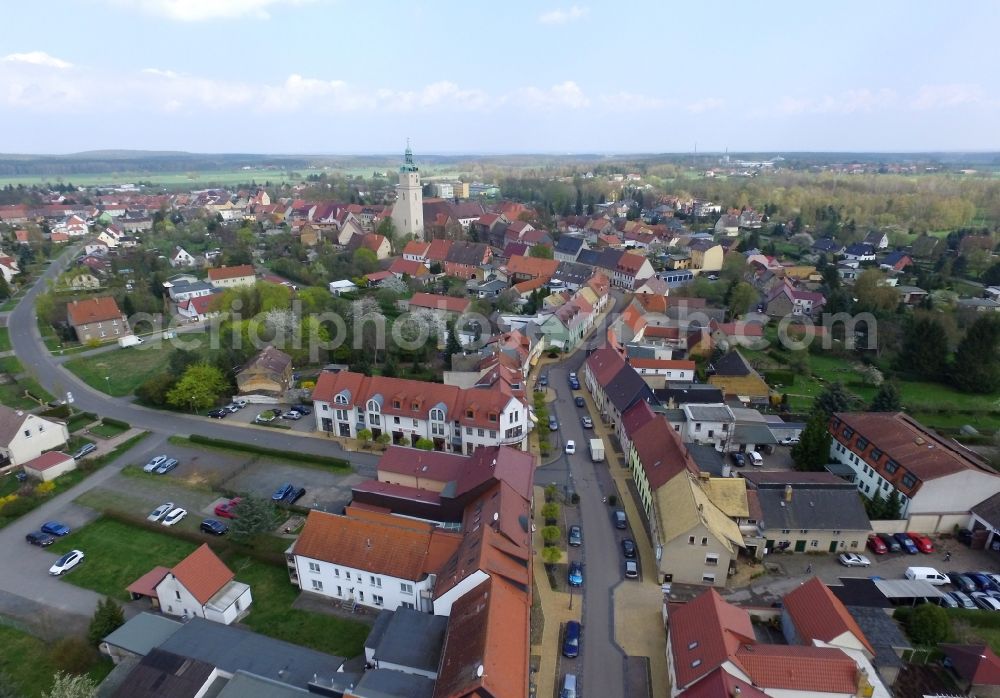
<point>833,546</point>
<point>800,546</point>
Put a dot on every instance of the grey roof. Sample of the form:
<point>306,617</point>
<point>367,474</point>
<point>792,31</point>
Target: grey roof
<point>567,244</point>
<point>858,592</point>
<point>573,273</point>
<point>163,673</point>
<point>412,639</point>
<point>812,508</point>
<point>674,416</point>
<point>190,286</point>
<point>907,589</point>
<point>494,285</point>
<point>640,351</point>
<point>232,649</point>
<point>709,412</point>
<point>590,257</point>
<point>989,510</point>
<point>753,434</point>
<point>10,423</point>
<point>608,259</point>
<point>686,393</point>
<point>382,621</point>
<point>627,388</point>
<point>386,683</point>
<point>883,634</point>
<point>708,459</point>
<point>732,364</point>
<point>779,478</point>
<point>244,685</point>
<point>142,633</point>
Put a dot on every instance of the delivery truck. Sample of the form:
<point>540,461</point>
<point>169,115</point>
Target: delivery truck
<point>596,450</point>
<point>129,341</point>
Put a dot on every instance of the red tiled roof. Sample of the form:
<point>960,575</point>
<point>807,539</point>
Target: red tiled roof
<point>433,301</point>
<point>47,460</point>
<point>977,664</point>
<point>721,684</point>
<point>531,266</point>
<point>407,266</point>
<point>636,416</point>
<point>416,248</point>
<point>430,465</point>
<point>661,452</point>
<point>200,304</point>
<point>202,573</point>
<point>630,263</point>
<point>438,250</point>
<point>93,310</point>
<point>230,272</point>
<point>819,615</point>
<point>798,668</point>
<point>662,363</point>
<point>373,241</point>
<point>705,633</point>
<point>147,583</point>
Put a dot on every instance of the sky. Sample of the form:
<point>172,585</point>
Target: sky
<point>550,76</point>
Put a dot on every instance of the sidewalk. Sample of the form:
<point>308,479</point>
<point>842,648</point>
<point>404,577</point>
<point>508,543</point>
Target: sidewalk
<point>555,610</point>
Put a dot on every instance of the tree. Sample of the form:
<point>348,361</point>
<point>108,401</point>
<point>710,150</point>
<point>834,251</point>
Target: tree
<point>199,388</point>
<point>4,288</point>
<point>7,688</point>
<point>812,452</point>
<point>741,296</point>
<point>925,348</point>
<point>551,534</point>
<point>875,507</point>
<point>893,507</point>
<point>424,444</point>
<point>256,516</point>
<point>541,252</point>
<point>886,398</point>
<point>365,437</point>
<point>833,399</point>
<point>873,294</point>
<point>69,686</point>
<point>551,555</point>
<point>452,345</point>
<point>384,439</point>
<point>928,625</point>
<point>977,364</point>
<point>107,618</point>
<point>155,389</point>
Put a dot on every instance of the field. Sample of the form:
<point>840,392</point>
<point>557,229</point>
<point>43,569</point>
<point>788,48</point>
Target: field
<point>119,372</point>
<point>13,394</point>
<point>118,554</point>
<point>194,180</point>
<point>26,661</point>
<point>4,339</point>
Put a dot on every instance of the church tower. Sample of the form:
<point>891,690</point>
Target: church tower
<point>408,212</point>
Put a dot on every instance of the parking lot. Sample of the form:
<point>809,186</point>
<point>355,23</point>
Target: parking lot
<point>249,413</point>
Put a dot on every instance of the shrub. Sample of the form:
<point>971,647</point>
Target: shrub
<point>308,385</point>
<point>551,556</point>
<point>108,421</point>
<point>45,487</point>
<point>613,499</point>
<point>928,625</point>
<point>551,535</point>
<point>550,512</point>
<point>338,463</point>
<point>19,506</point>
<point>73,654</point>
<point>550,493</point>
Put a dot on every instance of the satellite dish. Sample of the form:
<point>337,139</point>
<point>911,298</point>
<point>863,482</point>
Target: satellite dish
<point>479,671</point>
<point>496,515</point>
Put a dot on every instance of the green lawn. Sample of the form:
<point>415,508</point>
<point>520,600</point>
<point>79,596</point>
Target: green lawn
<point>118,554</point>
<point>25,660</point>
<point>5,339</point>
<point>107,431</point>
<point>13,394</point>
<point>120,371</point>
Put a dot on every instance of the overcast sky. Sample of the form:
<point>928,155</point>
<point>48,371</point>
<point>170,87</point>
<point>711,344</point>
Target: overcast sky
<point>356,76</point>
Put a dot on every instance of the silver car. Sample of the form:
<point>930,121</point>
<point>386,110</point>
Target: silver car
<point>160,511</point>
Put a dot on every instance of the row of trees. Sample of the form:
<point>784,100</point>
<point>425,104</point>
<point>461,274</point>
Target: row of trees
<point>975,366</point>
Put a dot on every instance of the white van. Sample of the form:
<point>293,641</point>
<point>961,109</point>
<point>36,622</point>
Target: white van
<point>755,459</point>
<point>569,687</point>
<point>926,574</point>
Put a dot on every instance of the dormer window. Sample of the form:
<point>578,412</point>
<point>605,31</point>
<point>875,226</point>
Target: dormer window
<point>396,404</point>
<point>469,414</point>
<point>340,399</point>
<point>493,416</point>
<point>415,406</point>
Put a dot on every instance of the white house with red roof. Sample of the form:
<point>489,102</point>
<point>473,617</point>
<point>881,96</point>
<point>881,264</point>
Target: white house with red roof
<point>230,277</point>
<point>49,466</point>
<point>197,308</point>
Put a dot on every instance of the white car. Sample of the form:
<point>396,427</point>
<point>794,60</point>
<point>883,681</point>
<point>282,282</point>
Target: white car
<point>755,459</point>
<point>154,463</point>
<point>66,563</point>
<point>571,447</point>
<point>789,441</point>
<point>985,602</point>
<point>174,516</point>
<point>160,511</point>
<point>854,560</point>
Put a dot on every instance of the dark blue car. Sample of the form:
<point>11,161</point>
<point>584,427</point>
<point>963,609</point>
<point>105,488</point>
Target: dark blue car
<point>904,541</point>
<point>571,641</point>
<point>54,528</point>
<point>575,576</point>
<point>282,492</point>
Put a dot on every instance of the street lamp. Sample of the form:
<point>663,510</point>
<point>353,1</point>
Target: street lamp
<point>192,404</point>
<point>107,382</point>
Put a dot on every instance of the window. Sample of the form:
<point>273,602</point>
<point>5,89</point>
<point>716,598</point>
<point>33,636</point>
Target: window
<point>437,415</point>
<point>708,579</point>
<point>690,540</point>
<point>336,571</point>
<point>376,582</point>
<point>376,599</point>
<point>415,406</point>
<point>697,426</point>
<point>348,576</point>
<point>178,593</point>
<point>712,560</point>
<point>493,416</point>
<point>909,480</point>
<point>493,433</point>
<point>395,420</point>
<point>876,454</point>
<point>407,604</point>
<point>325,407</point>
<point>314,567</point>
<point>470,414</point>
<point>341,414</point>
<point>836,532</point>
<point>395,404</point>
<point>406,588</point>
<point>847,432</point>
<point>468,431</point>
<point>482,433</point>
<point>361,596</point>
<point>704,541</point>
<point>27,433</point>
<point>803,530</point>
<point>862,443</point>
<point>414,422</point>
<point>854,544</point>
<point>786,530</point>
<point>891,466</point>
<point>814,544</point>
<point>374,419</point>
<point>340,399</point>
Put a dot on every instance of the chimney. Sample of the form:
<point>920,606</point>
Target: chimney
<point>736,692</point>
<point>788,493</point>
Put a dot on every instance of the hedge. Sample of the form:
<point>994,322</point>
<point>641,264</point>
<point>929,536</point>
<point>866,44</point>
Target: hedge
<point>108,421</point>
<point>780,377</point>
<point>338,463</point>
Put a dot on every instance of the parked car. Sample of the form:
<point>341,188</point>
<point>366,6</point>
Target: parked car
<point>233,408</point>
<point>543,380</point>
<point>174,517</point>
<point>282,492</point>
<point>571,640</point>
<point>789,441</point>
<point>587,422</point>
<point>877,545</point>
<point>574,382</point>
<point>854,560</point>
<point>553,423</point>
<point>220,413</point>
<point>628,548</point>
<point>631,569</point>
<point>214,526</point>
<point>84,450</point>
<point>160,511</point>
<point>905,543</point>
<point>964,535</point>
<point>296,494</point>
<point>154,463</point>
<point>66,563</point>
<point>891,543</point>
<point>240,402</point>
<point>304,410</point>
<point>55,528</point>
<point>575,536</point>
<point>983,583</point>
<point>739,460</point>
<point>923,543</point>
<point>947,601</point>
<point>266,417</point>
<point>621,522</point>
<point>755,459</point>
<point>985,601</point>
<point>963,599</point>
<point>570,447</point>
<point>294,415</point>
<point>227,509</point>
<point>579,401</point>
<point>166,466</point>
<point>40,539</point>
<point>575,575</point>
<point>961,582</point>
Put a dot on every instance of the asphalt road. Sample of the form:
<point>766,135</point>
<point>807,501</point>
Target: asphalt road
<point>30,349</point>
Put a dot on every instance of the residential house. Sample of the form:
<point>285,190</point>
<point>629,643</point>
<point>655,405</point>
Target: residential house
<point>750,219</point>
<point>199,586</point>
<point>453,419</point>
<point>877,239</point>
<point>631,269</point>
<point>976,667</point>
<point>706,255</point>
<point>531,268</point>
<point>734,375</point>
<point>828,246</point>
<point>707,424</point>
<point>464,259</point>
<point>377,244</point>
<point>938,481</point>
<point>911,295</point>
<point>342,286</point>
<point>568,325</point>
<point>409,269</point>
<point>568,248</point>
<point>654,286</point>
<point>181,258</point>
<point>787,299</point>
<point>269,373</point>
<point>230,277</point>
<point>728,224</point>
<point>895,261</point>
<point>186,288</point>
<point>928,247</point>
<point>658,372</point>
<point>615,385</point>
<point>860,252</point>
<point>74,226</point>
<point>198,308</point>
<point>97,319</point>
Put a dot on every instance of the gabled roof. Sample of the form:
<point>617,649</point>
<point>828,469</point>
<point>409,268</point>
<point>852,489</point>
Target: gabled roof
<point>236,272</point>
<point>661,452</point>
<point>202,573</point>
<point>682,505</point>
<point>416,248</point>
<point>47,460</point>
<point>977,664</point>
<point>823,508</point>
<point>819,615</point>
<point>532,266</point>
<point>567,244</point>
<point>468,253</point>
<point>721,684</point>
<point>604,364</point>
<point>82,312</point>
<point>626,388</point>
<point>733,364</point>
<point>434,301</point>
<point>410,267</point>
<point>705,633</point>
<point>269,359</point>
<point>797,668</point>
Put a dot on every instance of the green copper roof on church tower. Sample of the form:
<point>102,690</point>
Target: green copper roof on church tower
<point>408,165</point>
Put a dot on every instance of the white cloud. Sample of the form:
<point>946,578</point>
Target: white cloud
<point>573,14</point>
<point>37,58</point>
<point>202,10</point>
<point>565,94</point>
<point>847,102</point>
<point>703,105</point>
<point>946,96</point>
<point>633,101</point>
<point>161,73</point>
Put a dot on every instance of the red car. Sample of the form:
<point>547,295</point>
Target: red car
<point>226,509</point>
<point>876,545</point>
<point>923,543</point>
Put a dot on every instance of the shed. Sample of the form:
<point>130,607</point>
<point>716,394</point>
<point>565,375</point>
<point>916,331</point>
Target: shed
<point>49,466</point>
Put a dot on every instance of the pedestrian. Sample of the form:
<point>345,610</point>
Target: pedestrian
<point>604,500</point>
<point>947,555</point>
<point>809,569</point>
